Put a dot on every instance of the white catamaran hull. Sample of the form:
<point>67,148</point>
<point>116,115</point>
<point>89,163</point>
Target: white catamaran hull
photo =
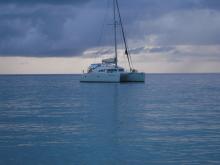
<point>113,77</point>
<point>132,77</point>
<point>101,77</point>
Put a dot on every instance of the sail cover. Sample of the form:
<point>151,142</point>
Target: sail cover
<point>109,60</point>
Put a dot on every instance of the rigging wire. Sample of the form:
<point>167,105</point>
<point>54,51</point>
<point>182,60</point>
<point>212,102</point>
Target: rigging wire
<point>123,33</point>
<point>103,23</point>
<point>122,47</point>
<point>101,34</point>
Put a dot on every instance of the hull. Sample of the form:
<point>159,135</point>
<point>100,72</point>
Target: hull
<point>113,77</point>
<point>132,77</point>
<point>101,77</point>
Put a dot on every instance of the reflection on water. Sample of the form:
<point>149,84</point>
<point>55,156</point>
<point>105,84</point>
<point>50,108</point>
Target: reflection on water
<point>171,119</point>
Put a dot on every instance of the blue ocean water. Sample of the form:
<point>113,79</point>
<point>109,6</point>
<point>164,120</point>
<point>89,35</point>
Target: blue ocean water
<point>171,119</point>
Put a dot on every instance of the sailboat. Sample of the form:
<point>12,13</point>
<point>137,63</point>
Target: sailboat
<point>109,70</point>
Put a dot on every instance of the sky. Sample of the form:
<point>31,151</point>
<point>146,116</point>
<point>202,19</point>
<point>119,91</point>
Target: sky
<point>54,36</point>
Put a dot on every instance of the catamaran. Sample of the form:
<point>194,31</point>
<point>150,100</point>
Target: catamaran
<point>109,70</point>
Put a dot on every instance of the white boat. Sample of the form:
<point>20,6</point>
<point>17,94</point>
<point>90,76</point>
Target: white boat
<point>109,70</point>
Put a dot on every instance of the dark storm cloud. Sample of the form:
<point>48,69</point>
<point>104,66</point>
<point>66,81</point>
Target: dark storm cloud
<point>212,4</point>
<point>45,30</point>
<point>34,2</point>
<point>69,27</point>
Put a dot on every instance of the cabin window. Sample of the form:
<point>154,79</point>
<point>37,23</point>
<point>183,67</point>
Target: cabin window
<point>121,70</point>
<point>102,70</point>
<point>111,70</point>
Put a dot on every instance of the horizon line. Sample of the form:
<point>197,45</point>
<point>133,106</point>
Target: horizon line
<point>42,74</point>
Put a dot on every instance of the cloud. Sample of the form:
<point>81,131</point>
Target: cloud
<point>34,2</point>
<point>46,30</point>
<point>197,27</point>
<point>183,53</point>
<point>161,49</point>
<point>52,28</point>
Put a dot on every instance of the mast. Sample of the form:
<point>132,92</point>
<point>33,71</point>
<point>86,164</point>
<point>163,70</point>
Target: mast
<point>115,33</point>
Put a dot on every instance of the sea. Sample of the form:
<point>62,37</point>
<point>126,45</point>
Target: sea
<point>171,119</point>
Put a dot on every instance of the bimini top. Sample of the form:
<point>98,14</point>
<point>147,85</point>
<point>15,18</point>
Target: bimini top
<point>109,61</point>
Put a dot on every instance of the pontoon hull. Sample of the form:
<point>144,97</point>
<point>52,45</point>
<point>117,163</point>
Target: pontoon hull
<point>113,77</point>
<point>132,77</point>
<point>101,77</point>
